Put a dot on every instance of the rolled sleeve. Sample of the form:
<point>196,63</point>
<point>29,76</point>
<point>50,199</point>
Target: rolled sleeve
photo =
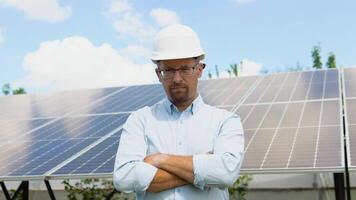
<point>134,177</point>
<point>131,173</point>
<point>221,169</point>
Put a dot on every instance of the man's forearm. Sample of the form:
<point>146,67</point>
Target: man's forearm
<point>181,166</point>
<point>164,180</point>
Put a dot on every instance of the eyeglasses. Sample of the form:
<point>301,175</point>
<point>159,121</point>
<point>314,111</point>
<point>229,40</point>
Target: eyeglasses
<point>184,71</point>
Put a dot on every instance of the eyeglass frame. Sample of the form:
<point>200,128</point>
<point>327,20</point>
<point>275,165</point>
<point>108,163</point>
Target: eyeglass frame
<point>162,71</point>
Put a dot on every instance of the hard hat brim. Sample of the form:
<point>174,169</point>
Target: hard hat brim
<point>161,56</point>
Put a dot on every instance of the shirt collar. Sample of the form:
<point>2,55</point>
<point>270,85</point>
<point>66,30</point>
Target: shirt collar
<point>193,108</point>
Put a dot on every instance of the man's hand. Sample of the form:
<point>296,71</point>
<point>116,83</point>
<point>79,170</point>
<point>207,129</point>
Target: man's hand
<point>156,159</point>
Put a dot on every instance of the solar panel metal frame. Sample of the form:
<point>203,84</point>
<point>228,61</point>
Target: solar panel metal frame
<point>351,168</point>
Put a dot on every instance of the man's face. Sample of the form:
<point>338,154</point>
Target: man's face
<point>181,85</point>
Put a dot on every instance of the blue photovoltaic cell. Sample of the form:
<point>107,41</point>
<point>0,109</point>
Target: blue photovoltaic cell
<point>128,100</point>
<point>11,129</point>
<point>45,148</point>
<point>48,105</point>
<point>99,159</point>
<point>38,157</point>
<point>225,92</point>
<point>296,86</point>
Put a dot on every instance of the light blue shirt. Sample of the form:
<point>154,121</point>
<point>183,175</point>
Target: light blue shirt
<point>200,129</point>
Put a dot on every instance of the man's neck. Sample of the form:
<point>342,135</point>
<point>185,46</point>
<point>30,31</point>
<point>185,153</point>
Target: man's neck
<point>184,105</point>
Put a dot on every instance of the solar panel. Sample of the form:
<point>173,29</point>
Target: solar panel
<point>41,150</point>
<point>14,128</point>
<point>226,92</point>
<point>100,159</point>
<point>49,105</point>
<point>292,121</point>
<point>62,126</point>
<point>349,83</point>
<point>127,100</point>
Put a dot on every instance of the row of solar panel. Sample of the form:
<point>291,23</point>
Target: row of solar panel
<point>219,92</point>
<point>292,133</point>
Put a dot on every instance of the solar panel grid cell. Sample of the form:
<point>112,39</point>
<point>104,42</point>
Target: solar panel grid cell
<point>92,160</point>
<point>128,100</point>
<point>49,105</point>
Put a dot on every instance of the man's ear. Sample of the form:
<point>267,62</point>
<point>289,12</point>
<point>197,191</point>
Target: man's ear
<point>158,75</point>
<point>200,69</point>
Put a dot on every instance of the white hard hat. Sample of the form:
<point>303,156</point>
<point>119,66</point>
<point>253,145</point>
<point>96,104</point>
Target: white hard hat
<point>176,41</point>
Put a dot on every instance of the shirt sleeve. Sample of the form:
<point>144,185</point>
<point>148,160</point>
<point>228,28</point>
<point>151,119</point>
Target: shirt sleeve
<point>221,169</point>
<point>131,174</point>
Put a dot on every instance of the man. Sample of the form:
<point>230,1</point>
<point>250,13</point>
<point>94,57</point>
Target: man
<point>180,148</point>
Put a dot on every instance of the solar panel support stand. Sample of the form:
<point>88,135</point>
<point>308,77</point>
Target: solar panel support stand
<point>49,189</point>
<point>4,190</point>
<point>24,187</point>
<point>339,184</point>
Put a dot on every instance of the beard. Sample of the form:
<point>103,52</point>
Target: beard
<point>179,94</point>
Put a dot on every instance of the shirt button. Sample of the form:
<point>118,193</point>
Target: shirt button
<point>178,190</point>
<point>179,143</point>
<point>181,121</point>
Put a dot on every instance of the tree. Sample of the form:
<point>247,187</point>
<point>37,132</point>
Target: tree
<point>331,63</point>
<point>217,71</point>
<point>93,189</point>
<point>240,187</point>
<point>210,75</point>
<point>317,64</point>
<point>19,91</point>
<point>229,71</point>
<point>6,89</point>
<point>234,69</point>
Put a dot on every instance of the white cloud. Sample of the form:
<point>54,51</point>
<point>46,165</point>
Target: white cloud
<point>46,10</point>
<point>131,24</point>
<point>128,22</point>
<point>2,34</point>
<point>135,52</point>
<point>164,17</point>
<point>249,68</point>
<point>120,6</point>
<point>75,63</point>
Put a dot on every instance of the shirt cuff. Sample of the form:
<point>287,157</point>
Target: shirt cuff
<point>145,174</point>
<point>198,161</point>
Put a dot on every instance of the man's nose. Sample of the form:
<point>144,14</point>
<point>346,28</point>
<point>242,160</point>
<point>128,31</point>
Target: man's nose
<point>177,77</point>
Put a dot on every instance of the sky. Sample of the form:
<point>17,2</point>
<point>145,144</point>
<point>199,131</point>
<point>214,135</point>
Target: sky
<point>52,45</point>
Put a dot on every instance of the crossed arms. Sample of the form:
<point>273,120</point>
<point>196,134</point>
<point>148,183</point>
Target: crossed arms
<point>173,171</point>
<point>136,172</point>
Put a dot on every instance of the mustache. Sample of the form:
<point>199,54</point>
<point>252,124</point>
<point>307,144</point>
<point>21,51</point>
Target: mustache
<point>178,86</point>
